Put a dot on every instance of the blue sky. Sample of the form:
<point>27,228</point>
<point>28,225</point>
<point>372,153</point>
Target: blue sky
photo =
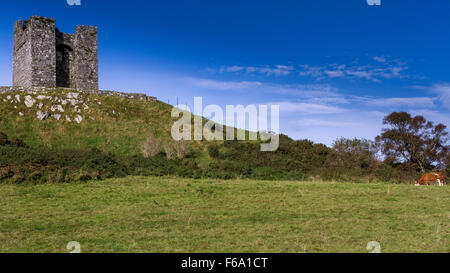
<point>334,67</point>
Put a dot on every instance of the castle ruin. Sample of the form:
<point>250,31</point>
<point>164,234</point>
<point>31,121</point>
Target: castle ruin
<point>45,57</point>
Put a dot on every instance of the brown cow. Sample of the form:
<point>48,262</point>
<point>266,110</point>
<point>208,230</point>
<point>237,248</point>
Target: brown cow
<point>428,178</point>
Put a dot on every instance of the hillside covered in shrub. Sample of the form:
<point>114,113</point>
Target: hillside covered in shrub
<point>66,136</point>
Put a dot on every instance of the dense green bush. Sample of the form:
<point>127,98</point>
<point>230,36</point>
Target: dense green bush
<point>348,160</point>
<point>3,139</point>
<point>213,151</point>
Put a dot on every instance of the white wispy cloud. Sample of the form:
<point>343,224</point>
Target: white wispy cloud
<point>323,97</point>
<point>309,91</point>
<point>327,128</point>
<point>443,92</point>
<point>384,68</point>
<point>307,108</point>
<point>334,73</point>
<point>380,59</point>
<point>360,73</point>
<point>423,102</point>
<point>277,70</point>
<point>319,92</point>
<point>371,73</point>
<point>312,71</point>
<point>327,123</point>
<point>377,69</point>
<point>222,85</point>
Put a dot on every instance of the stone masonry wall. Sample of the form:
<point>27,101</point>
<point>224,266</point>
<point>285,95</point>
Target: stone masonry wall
<point>22,55</point>
<point>45,57</point>
<point>86,58</point>
<point>43,51</point>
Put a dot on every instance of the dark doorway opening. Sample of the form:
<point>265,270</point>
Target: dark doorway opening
<point>64,61</point>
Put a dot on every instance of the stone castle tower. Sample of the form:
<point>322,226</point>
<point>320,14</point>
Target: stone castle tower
<point>45,57</point>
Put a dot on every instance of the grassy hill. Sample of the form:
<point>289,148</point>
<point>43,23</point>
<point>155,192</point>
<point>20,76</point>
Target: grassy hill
<point>110,123</point>
<point>65,135</point>
<point>61,135</point>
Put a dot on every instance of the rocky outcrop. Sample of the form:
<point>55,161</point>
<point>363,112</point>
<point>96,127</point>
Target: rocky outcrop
<point>42,115</point>
<point>29,101</point>
<point>61,104</point>
<point>71,94</point>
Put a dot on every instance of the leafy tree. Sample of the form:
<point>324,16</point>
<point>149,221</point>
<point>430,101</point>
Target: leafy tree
<point>353,154</point>
<point>414,140</point>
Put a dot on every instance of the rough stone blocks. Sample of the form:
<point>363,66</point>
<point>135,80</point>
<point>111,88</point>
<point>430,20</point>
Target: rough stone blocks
<point>45,57</point>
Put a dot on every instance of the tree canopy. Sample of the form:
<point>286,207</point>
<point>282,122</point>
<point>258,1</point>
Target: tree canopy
<point>414,140</point>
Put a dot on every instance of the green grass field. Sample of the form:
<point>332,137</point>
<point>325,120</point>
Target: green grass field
<point>145,214</point>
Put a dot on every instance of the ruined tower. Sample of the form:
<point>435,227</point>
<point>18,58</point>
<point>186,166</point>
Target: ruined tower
<point>45,57</point>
